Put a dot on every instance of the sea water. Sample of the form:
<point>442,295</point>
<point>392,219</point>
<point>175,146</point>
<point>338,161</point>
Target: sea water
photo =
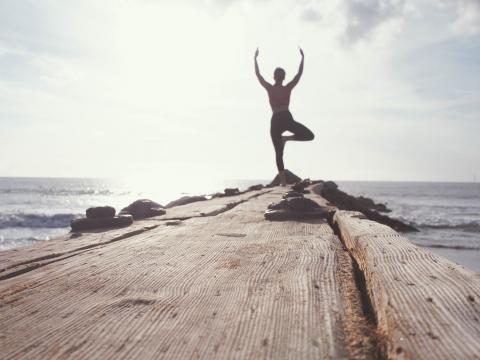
<point>447,214</point>
<point>39,209</point>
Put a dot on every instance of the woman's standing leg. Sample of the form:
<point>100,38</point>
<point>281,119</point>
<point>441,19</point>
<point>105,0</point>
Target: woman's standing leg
<point>276,131</point>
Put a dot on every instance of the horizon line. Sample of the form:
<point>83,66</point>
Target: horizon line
<point>232,179</point>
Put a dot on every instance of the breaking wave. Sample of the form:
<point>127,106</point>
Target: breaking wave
<point>36,220</point>
<point>471,226</point>
<point>446,246</point>
<point>61,192</point>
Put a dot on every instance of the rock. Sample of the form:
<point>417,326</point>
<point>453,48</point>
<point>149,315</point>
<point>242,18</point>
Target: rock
<point>186,200</point>
<point>255,187</point>
<point>292,193</point>
<point>370,204</point>
<point>295,208</point>
<point>344,201</point>
<point>296,204</point>
<point>143,208</point>
<point>300,186</point>
<point>83,224</point>
<point>291,178</point>
<point>317,188</point>
<point>278,206</point>
<point>329,190</point>
<point>395,224</point>
<point>330,185</point>
<point>100,212</point>
<point>231,191</point>
<point>301,204</point>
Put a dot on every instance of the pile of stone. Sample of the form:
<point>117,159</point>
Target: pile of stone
<point>100,217</point>
<point>344,201</point>
<point>330,191</point>
<point>290,177</point>
<point>295,206</point>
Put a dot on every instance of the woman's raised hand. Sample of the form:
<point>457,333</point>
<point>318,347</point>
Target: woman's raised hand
<point>256,53</point>
<point>301,51</point>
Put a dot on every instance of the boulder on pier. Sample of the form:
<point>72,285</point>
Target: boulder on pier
<point>184,200</point>
<point>143,208</point>
<point>84,224</point>
<point>100,212</point>
<point>231,191</point>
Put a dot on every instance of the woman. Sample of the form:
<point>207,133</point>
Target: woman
<point>282,120</point>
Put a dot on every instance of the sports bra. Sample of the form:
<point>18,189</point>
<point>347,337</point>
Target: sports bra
<point>279,97</point>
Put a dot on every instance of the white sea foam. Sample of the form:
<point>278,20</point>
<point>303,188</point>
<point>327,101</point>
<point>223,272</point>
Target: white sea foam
<point>36,220</point>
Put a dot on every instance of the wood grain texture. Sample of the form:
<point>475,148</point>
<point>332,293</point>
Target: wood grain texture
<point>426,306</point>
<point>18,261</point>
<point>228,286</point>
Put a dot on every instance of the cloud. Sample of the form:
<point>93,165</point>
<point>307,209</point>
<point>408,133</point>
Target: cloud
<point>360,20</point>
<point>468,15</point>
<point>310,15</point>
<point>364,16</point>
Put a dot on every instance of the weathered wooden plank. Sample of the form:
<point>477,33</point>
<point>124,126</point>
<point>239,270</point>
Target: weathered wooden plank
<point>17,261</point>
<point>229,286</point>
<point>426,306</point>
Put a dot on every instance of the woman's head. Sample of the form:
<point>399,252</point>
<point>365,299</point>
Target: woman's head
<point>279,74</point>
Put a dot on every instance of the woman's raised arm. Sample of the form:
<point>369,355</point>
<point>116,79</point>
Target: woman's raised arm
<point>262,81</point>
<point>297,77</point>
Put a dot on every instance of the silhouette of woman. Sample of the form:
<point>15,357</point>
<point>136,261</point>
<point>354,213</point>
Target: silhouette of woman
<point>282,120</point>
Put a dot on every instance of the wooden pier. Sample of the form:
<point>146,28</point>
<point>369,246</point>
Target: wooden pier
<point>215,280</point>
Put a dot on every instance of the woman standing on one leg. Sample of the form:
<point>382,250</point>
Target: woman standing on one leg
<point>282,120</point>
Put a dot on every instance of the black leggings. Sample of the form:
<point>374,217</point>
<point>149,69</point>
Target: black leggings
<point>280,123</point>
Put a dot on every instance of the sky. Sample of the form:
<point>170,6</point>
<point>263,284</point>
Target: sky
<point>155,89</point>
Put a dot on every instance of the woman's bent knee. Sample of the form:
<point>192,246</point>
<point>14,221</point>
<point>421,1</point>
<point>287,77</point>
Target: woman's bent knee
<point>309,136</point>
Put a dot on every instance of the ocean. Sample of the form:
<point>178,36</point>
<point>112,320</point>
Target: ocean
<point>447,214</point>
<point>39,209</point>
